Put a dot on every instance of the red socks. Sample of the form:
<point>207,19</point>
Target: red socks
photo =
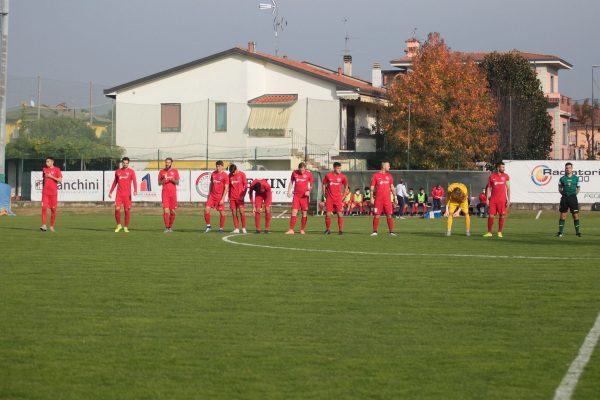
<point>327,222</point>
<point>390,222</point>
<point>44,216</point>
<point>171,220</point>
<point>236,224</point>
<point>257,221</point>
<point>52,216</point>
<point>500,224</point>
<point>118,216</point>
<point>222,221</point>
<point>243,218</point>
<point>293,222</point>
<point>267,220</point>
<point>340,223</point>
<point>166,219</point>
<point>127,217</point>
<point>375,224</point>
<point>207,218</point>
<point>304,220</point>
<point>490,223</point>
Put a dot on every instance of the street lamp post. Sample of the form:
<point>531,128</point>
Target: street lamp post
<point>593,114</point>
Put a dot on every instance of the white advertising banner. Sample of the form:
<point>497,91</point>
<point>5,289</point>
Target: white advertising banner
<point>148,188</point>
<point>279,181</point>
<point>537,181</point>
<point>75,186</point>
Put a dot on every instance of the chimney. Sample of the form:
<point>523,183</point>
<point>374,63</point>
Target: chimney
<point>348,65</point>
<point>412,47</point>
<point>340,71</point>
<point>376,77</point>
<point>252,47</point>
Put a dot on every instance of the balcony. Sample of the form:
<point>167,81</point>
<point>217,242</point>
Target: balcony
<point>558,100</point>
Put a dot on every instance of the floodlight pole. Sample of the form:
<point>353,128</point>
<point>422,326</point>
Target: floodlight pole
<point>3,79</point>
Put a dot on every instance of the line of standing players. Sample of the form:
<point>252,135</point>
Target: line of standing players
<point>234,185</point>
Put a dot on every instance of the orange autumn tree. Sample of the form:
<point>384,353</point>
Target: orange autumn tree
<point>452,112</point>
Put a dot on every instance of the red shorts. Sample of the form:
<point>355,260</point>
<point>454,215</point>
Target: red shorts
<point>334,206</point>
<point>49,201</point>
<point>124,201</point>
<point>385,207</point>
<point>497,207</point>
<point>169,201</point>
<point>213,202</point>
<point>300,202</point>
<point>262,198</point>
<point>235,204</point>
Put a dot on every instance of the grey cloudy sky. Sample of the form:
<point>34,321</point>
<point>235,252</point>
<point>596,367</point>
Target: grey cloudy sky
<point>114,41</point>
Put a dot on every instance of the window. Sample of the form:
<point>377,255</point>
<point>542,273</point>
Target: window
<point>221,117</point>
<point>551,83</point>
<point>565,134</point>
<point>170,117</point>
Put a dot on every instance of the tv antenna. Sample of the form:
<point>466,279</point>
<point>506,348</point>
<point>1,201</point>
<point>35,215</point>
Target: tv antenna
<point>347,36</point>
<point>279,22</point>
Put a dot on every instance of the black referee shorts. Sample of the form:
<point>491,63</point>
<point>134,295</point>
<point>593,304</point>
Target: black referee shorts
<point>569,203</point>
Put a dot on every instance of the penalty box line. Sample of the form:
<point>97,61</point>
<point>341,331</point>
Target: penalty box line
<point>567,386</point>
<point>228,239</point>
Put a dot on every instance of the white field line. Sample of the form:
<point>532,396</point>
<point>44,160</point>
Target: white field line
<point>227,239</point>
<point>569,382</point>
<point>281,215</point>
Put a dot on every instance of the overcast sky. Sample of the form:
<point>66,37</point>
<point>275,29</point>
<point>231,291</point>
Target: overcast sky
<point>115,41</point>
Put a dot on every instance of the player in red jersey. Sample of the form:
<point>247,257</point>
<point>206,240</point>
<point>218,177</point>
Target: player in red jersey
<point>335,185</point>
<point>382,188</point>
<point>168,178</point>
<point>302,182</point>
<point>219,187</point>
<point>124,178</point>
<point>264,196</point>
<point>498,194</point>
<point>238,185</point>
<point>51,177</point>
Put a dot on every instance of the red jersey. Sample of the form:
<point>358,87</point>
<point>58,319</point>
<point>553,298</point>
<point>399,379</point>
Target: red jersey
<point>168,186</point>
<point>498,183</point>
<point>482,198</point>
<point>238,184</point>
<point>124,177</point>
<point>334,183</point>
<point>265,188</point>
<point>50,186</point>
<point>383,183</point>
<point>301,181</point>
<point>218,182</point>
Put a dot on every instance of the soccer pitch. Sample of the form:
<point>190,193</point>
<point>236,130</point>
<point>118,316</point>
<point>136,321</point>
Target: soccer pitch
<point>90,314</point>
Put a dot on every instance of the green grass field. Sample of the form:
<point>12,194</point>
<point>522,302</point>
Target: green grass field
<point>89,314</point>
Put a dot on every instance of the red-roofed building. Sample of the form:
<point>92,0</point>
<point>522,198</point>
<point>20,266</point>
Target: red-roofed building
<point>251,107</point>
<point>546,67</point>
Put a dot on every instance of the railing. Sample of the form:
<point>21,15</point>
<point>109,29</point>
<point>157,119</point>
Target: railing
<point>316,156</point>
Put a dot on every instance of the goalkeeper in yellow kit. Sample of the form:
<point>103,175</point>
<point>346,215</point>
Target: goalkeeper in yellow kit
<point>457,200</point>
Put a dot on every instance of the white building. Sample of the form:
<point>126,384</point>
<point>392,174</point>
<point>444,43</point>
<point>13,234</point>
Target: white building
<point>250,107</point>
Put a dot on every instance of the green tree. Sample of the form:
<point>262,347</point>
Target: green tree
<point>61,137</point>
<point>524,126</point>
<point>451,111</point>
